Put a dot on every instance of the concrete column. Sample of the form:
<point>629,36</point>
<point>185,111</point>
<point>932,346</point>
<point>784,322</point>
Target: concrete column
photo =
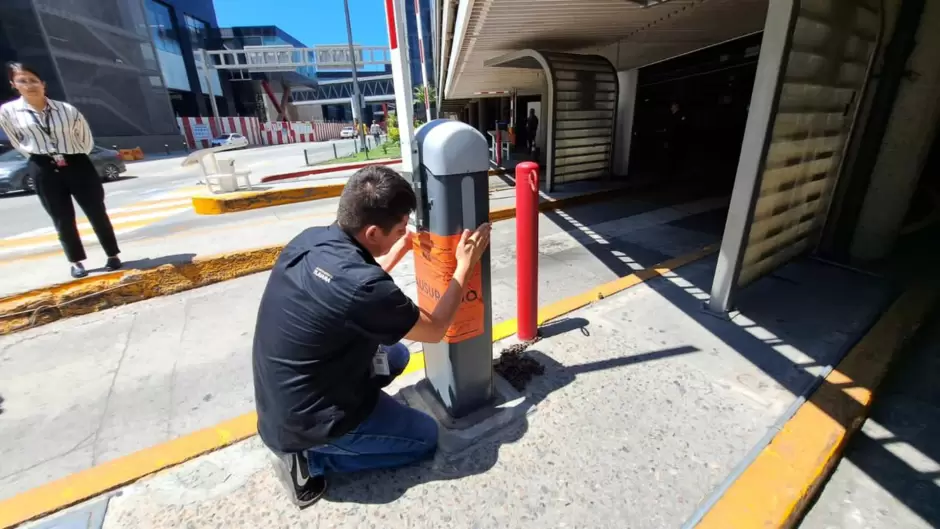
<point>626,103</point>
<point>473,114</point>
<point>904,150</point>
<point>482,124</point>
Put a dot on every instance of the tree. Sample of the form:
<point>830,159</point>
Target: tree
<point>392,125</point>
<point>419,94</point>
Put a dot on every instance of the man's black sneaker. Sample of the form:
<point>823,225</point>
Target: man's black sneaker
<point>304,489</point>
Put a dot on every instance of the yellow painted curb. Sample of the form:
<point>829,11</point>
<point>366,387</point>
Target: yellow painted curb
<point>47,304</point>
<point>775,490</point>
<point>87,295</point>
<point>247,200</point>
<point>86,484</point>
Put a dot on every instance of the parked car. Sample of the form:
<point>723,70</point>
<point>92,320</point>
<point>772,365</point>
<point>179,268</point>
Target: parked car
<point>14,175</point>
<point>232,141</point>
<point>5,144</point>
<point>347,132</point>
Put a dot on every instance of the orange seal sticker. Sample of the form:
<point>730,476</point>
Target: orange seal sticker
<point>434,268</point>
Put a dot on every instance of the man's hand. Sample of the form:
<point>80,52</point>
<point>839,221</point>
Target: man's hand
<point>431,326</point>
<point>399,249</point>
<point>408,240</point>
<point>472,245</point>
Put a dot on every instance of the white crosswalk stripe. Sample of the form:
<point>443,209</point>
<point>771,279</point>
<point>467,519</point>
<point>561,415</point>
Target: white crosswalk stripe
<point>125,219</point>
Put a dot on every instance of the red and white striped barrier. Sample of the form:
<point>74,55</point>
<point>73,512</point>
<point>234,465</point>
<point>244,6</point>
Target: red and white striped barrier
<point>200,131</point>
<point>282,132</point>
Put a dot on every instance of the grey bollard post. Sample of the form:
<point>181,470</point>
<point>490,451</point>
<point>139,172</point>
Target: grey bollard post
<point>453,195</point>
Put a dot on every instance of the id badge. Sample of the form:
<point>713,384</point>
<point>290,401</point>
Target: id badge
<point>59,160</point>
<point>380,364</point>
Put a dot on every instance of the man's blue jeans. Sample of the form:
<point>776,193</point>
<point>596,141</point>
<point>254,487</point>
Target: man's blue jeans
<point>393,435</point>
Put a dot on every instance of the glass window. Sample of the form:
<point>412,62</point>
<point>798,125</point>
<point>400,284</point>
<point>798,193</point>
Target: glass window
<point>198,32</point>
<point>162,29</point>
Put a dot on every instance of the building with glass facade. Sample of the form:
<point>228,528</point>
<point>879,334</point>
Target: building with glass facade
<point>180,30</point>
<point>126,64</point>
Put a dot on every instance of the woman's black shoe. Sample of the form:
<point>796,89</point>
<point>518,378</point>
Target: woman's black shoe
<point>78,271</point>
<point>113,264</point>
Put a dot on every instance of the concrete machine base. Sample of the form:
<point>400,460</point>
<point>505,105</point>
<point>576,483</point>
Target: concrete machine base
<point>458,434</point>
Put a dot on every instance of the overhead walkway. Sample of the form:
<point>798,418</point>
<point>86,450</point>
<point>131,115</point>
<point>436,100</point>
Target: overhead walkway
<point>288,60</point>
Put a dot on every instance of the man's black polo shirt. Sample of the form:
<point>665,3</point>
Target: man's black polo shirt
<point>327,307</point>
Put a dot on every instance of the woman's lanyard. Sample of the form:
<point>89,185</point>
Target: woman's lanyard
<point>47,129</point>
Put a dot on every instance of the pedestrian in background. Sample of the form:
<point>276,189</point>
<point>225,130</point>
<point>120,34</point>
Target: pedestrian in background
<point>55,138</point>
<point>376,130</point>
<point>532,129</point>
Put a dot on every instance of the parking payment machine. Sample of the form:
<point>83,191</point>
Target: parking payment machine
<point>452,188</point>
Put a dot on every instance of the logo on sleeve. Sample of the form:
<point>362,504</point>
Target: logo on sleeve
<point>323,274</point>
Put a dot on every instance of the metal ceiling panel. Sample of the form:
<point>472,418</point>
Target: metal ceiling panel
<point>626,33</point>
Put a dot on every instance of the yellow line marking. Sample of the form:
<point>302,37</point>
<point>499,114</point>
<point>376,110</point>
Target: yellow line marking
<point>85,484</point>
<point>776,488</point>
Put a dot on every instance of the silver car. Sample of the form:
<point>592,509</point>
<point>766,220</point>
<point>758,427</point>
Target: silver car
<point>14,174</point>
<point>232,141</point>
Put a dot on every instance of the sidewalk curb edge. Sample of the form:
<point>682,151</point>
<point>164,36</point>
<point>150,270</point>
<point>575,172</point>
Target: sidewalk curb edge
<point>92,294</point>
<point>778,487</point>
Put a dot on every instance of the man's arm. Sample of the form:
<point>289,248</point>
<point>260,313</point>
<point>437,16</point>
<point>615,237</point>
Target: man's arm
<point>431,326</point>
<point>399,250</point>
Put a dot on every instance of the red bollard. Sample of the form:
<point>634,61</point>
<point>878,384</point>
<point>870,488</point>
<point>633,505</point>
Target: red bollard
<point>527,262</point>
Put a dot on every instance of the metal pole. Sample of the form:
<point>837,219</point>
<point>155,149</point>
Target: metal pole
<point>424,71</point>
<point>205,72</point>
<point>527,233</point>
<point>357,100</point>
<point>401,80</point>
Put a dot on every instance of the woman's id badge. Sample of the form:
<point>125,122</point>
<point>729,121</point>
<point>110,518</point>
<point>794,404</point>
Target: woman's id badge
<point>59,160</point>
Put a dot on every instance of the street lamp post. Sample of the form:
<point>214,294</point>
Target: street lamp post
<point>356,99</point>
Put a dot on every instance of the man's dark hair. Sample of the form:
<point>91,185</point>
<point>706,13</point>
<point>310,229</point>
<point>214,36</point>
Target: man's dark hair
<point>375,195</point>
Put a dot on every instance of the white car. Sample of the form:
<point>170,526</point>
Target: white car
<point>347,132</point>
<point>232,141</point>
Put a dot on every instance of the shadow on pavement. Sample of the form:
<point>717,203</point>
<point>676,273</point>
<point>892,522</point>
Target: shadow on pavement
<point>897,447</point>
<point>386,486</point>
<point>783,325</point>
<point>147,262</point>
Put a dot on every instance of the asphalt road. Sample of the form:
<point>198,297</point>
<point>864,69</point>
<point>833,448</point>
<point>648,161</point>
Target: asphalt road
<point>148,183</point>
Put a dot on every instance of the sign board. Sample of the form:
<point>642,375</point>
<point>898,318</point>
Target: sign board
<point>201,131</point>
<point>302,127</point>
<point>434,267</point>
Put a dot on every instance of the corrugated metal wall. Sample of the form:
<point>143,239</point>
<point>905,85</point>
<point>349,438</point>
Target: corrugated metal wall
<point>585,106</point>
<point>814,63</point>
<point>830,47</point>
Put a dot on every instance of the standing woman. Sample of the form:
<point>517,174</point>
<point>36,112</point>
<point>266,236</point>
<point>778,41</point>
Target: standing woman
<point>55,137</point>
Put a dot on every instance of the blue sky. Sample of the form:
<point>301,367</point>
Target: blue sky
<point>310,21</point>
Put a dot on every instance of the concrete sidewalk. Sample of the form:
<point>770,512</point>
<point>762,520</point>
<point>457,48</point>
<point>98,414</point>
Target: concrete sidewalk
<point>92,388</point>
<point>645,406</point>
